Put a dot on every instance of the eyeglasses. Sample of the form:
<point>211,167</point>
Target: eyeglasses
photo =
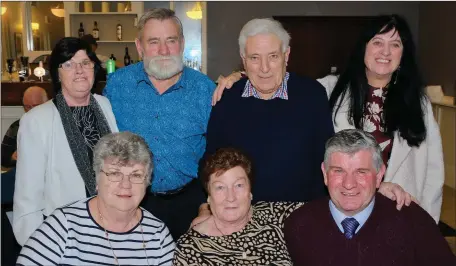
<point>69,65</point>
<point>118,176</point>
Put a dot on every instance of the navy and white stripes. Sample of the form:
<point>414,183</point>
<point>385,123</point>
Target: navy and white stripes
<point>70,236</point>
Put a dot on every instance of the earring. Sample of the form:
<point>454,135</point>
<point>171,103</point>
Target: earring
<point>251,196</point>
<point>397,74</point>
<point>208,200</point>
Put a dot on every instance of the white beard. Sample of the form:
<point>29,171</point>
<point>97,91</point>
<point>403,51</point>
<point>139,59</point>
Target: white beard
<point>163,70</point>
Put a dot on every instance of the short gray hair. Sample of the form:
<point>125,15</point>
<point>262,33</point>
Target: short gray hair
<point>124,147</point>
<point>263,26</point>
<point>159,14</point>
<point>351,141</point>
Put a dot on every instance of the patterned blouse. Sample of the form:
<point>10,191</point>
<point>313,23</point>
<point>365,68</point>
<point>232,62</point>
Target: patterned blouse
<point>261,242</point>
<point>373,121</point>
<point>87,123</point>
<point>88,126</point>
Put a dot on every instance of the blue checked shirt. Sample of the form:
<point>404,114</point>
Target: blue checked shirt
<point>281,93</point>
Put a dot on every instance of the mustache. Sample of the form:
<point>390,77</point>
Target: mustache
<point>157,58</point>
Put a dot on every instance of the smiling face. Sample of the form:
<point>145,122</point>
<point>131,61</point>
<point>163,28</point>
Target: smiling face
<point>78,81</point>
<point>265,63</point>
<point>161,47</point>
<point>123,196</point>
<point>352,180</point>
<point>230,196</point>
<point>383,55</point>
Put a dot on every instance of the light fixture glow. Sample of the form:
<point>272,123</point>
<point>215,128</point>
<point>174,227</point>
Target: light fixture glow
<point>3,10</point>
<point>35,26</point>
<point>196,12</point>
<point>58,12</point>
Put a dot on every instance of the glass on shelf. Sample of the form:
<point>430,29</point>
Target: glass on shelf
<point>9,67</point>
<point>24,69</point>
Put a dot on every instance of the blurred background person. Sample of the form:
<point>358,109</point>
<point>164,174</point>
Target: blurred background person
<point>33,96</point>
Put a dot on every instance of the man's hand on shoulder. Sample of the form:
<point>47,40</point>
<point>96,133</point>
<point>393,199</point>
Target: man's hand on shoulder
<point>203,214</point>
<point>225,82</point>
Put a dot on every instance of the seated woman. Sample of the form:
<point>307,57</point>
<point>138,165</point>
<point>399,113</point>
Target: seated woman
<point>110,228</point>
<point>238,233</point>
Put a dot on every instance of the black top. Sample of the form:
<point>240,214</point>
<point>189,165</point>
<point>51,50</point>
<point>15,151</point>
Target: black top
<point>284,138</point>
<point>9,145</point>
<point>88,126</point>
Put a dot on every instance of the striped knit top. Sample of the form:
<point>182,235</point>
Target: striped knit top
<point>71,236</point>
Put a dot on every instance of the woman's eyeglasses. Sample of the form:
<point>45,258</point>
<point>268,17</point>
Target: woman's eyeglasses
<point>69,65</point>
<point>134,178</point>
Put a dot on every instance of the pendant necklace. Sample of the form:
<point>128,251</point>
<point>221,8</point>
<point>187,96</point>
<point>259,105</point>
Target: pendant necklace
<point>244,254</point>
<point>109,241</point>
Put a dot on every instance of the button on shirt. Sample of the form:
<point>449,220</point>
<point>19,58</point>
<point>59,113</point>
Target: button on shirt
<point>173,124</point>
<point>361,217</point>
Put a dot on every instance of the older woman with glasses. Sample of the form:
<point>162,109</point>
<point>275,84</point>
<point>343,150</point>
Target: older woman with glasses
<point>110,228</point>
<point>56,139</point>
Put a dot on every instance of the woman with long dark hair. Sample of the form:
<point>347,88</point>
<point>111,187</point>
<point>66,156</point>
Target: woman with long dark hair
<point>56,139</point>
<point>382,92</point>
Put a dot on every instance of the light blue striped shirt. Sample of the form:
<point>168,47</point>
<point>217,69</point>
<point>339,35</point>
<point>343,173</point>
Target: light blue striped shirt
<point>361,217</point>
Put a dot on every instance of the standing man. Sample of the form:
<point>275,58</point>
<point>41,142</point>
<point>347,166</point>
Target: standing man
<point>279,119</point>
<point>33,96</point>
<point>356,225</point>
<point>169,105</point>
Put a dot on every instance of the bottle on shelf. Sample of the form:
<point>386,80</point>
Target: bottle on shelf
<point>95,31</point>
<point>119,31</point>
<point>110,66</point>
<point>127,59</point>
<point>81,30</point>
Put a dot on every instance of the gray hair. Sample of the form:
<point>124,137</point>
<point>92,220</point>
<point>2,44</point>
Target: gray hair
<point>263,26</point>
<point>351,141</point>
<point>159,14</point>
<point>125,148</point>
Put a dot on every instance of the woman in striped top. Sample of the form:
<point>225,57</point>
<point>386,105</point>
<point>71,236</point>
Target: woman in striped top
<point>110,228</point>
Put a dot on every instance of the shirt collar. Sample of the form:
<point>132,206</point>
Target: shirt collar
<point>281,93</point>
<point>361,217</point>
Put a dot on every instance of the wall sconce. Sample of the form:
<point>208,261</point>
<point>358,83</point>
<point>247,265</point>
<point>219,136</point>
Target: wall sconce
<point>58,11</point>
<point>35,26</point>
<point>3,10</point>
<point>196,12</point>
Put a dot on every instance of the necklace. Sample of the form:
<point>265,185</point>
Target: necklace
<point>109,241</point>
<point>244,254</point>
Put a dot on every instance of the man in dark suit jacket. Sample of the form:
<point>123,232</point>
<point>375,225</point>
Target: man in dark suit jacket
<point>358,226</point>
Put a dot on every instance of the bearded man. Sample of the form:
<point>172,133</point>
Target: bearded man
<point>169,105</point>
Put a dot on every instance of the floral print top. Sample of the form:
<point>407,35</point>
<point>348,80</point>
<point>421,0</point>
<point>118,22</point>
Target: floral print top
<point>373,120</point>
